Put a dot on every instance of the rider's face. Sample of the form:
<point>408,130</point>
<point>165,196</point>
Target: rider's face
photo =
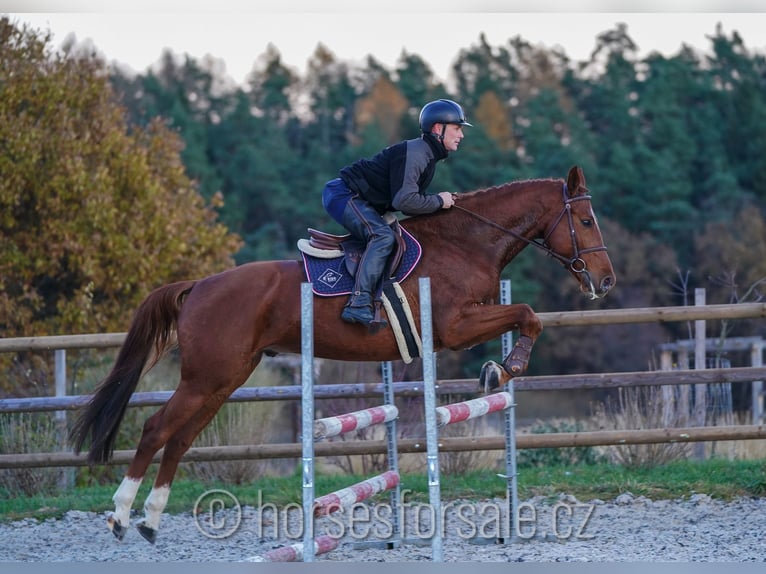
<point>453,133</point>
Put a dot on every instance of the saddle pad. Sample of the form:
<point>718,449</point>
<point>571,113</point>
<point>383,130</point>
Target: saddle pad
<point>329,277</point>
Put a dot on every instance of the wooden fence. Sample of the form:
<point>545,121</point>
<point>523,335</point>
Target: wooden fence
<point>556,382</point>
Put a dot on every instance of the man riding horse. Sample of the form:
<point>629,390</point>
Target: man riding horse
<point>395,179</point>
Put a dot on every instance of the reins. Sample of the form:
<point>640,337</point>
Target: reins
<point>575,263</point>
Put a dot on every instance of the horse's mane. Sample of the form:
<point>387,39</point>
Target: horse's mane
<point>509,187</point>
<point>483,200</point>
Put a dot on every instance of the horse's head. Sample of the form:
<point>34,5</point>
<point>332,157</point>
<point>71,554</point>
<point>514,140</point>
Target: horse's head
<point>575,239</point>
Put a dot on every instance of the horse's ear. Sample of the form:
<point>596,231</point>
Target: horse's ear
<point>576,181</point>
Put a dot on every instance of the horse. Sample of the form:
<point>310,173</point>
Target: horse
<point>224,324</point>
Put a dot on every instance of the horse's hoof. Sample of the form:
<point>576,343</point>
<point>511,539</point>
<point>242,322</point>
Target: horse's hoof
<point>490,377</point>
<point>150,534</point>
<point>114,525</point>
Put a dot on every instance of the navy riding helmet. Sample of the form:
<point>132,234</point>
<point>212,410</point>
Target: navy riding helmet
<point>441,112</point>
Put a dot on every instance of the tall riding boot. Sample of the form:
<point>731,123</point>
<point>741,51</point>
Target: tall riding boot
<point>358,309</point>
<point>364,222</point>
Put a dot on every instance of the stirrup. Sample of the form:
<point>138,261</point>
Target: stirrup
<point>361,315</point>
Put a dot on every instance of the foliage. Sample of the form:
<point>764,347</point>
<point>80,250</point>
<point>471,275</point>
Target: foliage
<point>113,205</point>
<point>672,146</point>
<point>94,213</point>
<point>552,457</point>
<point>669,145</point>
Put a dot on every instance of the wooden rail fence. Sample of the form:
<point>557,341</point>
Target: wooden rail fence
<point>467,386</point>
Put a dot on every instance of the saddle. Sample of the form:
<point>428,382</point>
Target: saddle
<point>325,245</point>
<point>330,263</point>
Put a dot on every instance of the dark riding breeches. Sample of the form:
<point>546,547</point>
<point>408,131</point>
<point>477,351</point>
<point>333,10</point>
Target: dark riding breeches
<point>365,223</point>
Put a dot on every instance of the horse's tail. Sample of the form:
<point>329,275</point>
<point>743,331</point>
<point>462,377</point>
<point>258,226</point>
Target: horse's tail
<point>150,336</point>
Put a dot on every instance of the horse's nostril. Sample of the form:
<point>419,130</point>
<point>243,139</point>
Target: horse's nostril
<point>606,283</point>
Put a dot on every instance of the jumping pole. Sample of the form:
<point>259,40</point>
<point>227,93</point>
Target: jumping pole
<point>512,497</point>
<point>307,417</point>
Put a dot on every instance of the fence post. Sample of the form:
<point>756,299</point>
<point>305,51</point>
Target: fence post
<point>756,360</point>
<point>669,406</point>
<point>700,355</point>
<point>66,478</point>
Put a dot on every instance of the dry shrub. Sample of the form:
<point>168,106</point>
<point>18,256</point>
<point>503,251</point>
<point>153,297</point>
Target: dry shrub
<point>646,407</point>
<point>236,424</point>
<point>27,433</point>
<point>362,464</point>
<point>462,462</point>
<point>754,449</point>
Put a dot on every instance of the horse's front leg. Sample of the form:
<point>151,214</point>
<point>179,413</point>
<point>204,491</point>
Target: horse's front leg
<point>481,323</point>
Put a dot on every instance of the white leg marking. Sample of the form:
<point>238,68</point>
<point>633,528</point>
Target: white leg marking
<point>123,499</point>
<point>154,505</point>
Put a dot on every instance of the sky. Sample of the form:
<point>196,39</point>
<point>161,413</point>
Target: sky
<point>237,34</point>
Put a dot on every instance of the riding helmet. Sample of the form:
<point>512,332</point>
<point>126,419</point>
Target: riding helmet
<point>441,112</point>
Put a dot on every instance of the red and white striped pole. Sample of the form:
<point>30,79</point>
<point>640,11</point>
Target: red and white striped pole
<point>458,412</point>
<point>340,424</point>
<point>345,497</point>
<point>294,552</point>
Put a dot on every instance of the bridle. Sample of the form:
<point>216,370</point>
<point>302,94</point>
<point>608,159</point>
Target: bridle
<point>575,263</point>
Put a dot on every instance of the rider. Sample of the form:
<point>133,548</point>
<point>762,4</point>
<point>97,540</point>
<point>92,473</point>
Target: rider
<point>395,179</point>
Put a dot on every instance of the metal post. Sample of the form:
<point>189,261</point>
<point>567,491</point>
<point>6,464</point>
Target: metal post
<point>432,433</point>
<point>512,496</point>
<point>307,417</point>
<point>393,454</point>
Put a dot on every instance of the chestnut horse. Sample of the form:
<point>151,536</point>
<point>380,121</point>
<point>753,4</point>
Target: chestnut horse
<point>225,323</point>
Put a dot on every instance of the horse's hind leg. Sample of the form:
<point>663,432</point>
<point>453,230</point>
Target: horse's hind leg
<point>175,448</point>
<point>178,443</point>
<point>157,430</point>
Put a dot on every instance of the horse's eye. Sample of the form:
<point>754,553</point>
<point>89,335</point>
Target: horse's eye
<point>587,222</point>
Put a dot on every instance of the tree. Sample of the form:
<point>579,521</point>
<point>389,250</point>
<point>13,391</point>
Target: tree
<point>416,80</point>
<point>493,116</point>
<point>332,99</point>
<point>384,106</point>
<point>730,256</point>
<point>92,214</point>
<point>483,69</point>
<point>741,81</point>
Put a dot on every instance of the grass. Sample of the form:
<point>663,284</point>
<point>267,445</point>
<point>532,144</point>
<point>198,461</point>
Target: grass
<point>719,478</point>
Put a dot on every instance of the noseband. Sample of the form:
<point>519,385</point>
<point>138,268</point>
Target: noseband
<point>574,263</point>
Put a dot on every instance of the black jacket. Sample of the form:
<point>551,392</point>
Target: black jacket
<point>396,178</point>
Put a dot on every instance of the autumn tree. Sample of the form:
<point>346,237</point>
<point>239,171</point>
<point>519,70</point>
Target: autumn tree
<point>384,106</point>
<point>92,215</point>
<point>731,259</point>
